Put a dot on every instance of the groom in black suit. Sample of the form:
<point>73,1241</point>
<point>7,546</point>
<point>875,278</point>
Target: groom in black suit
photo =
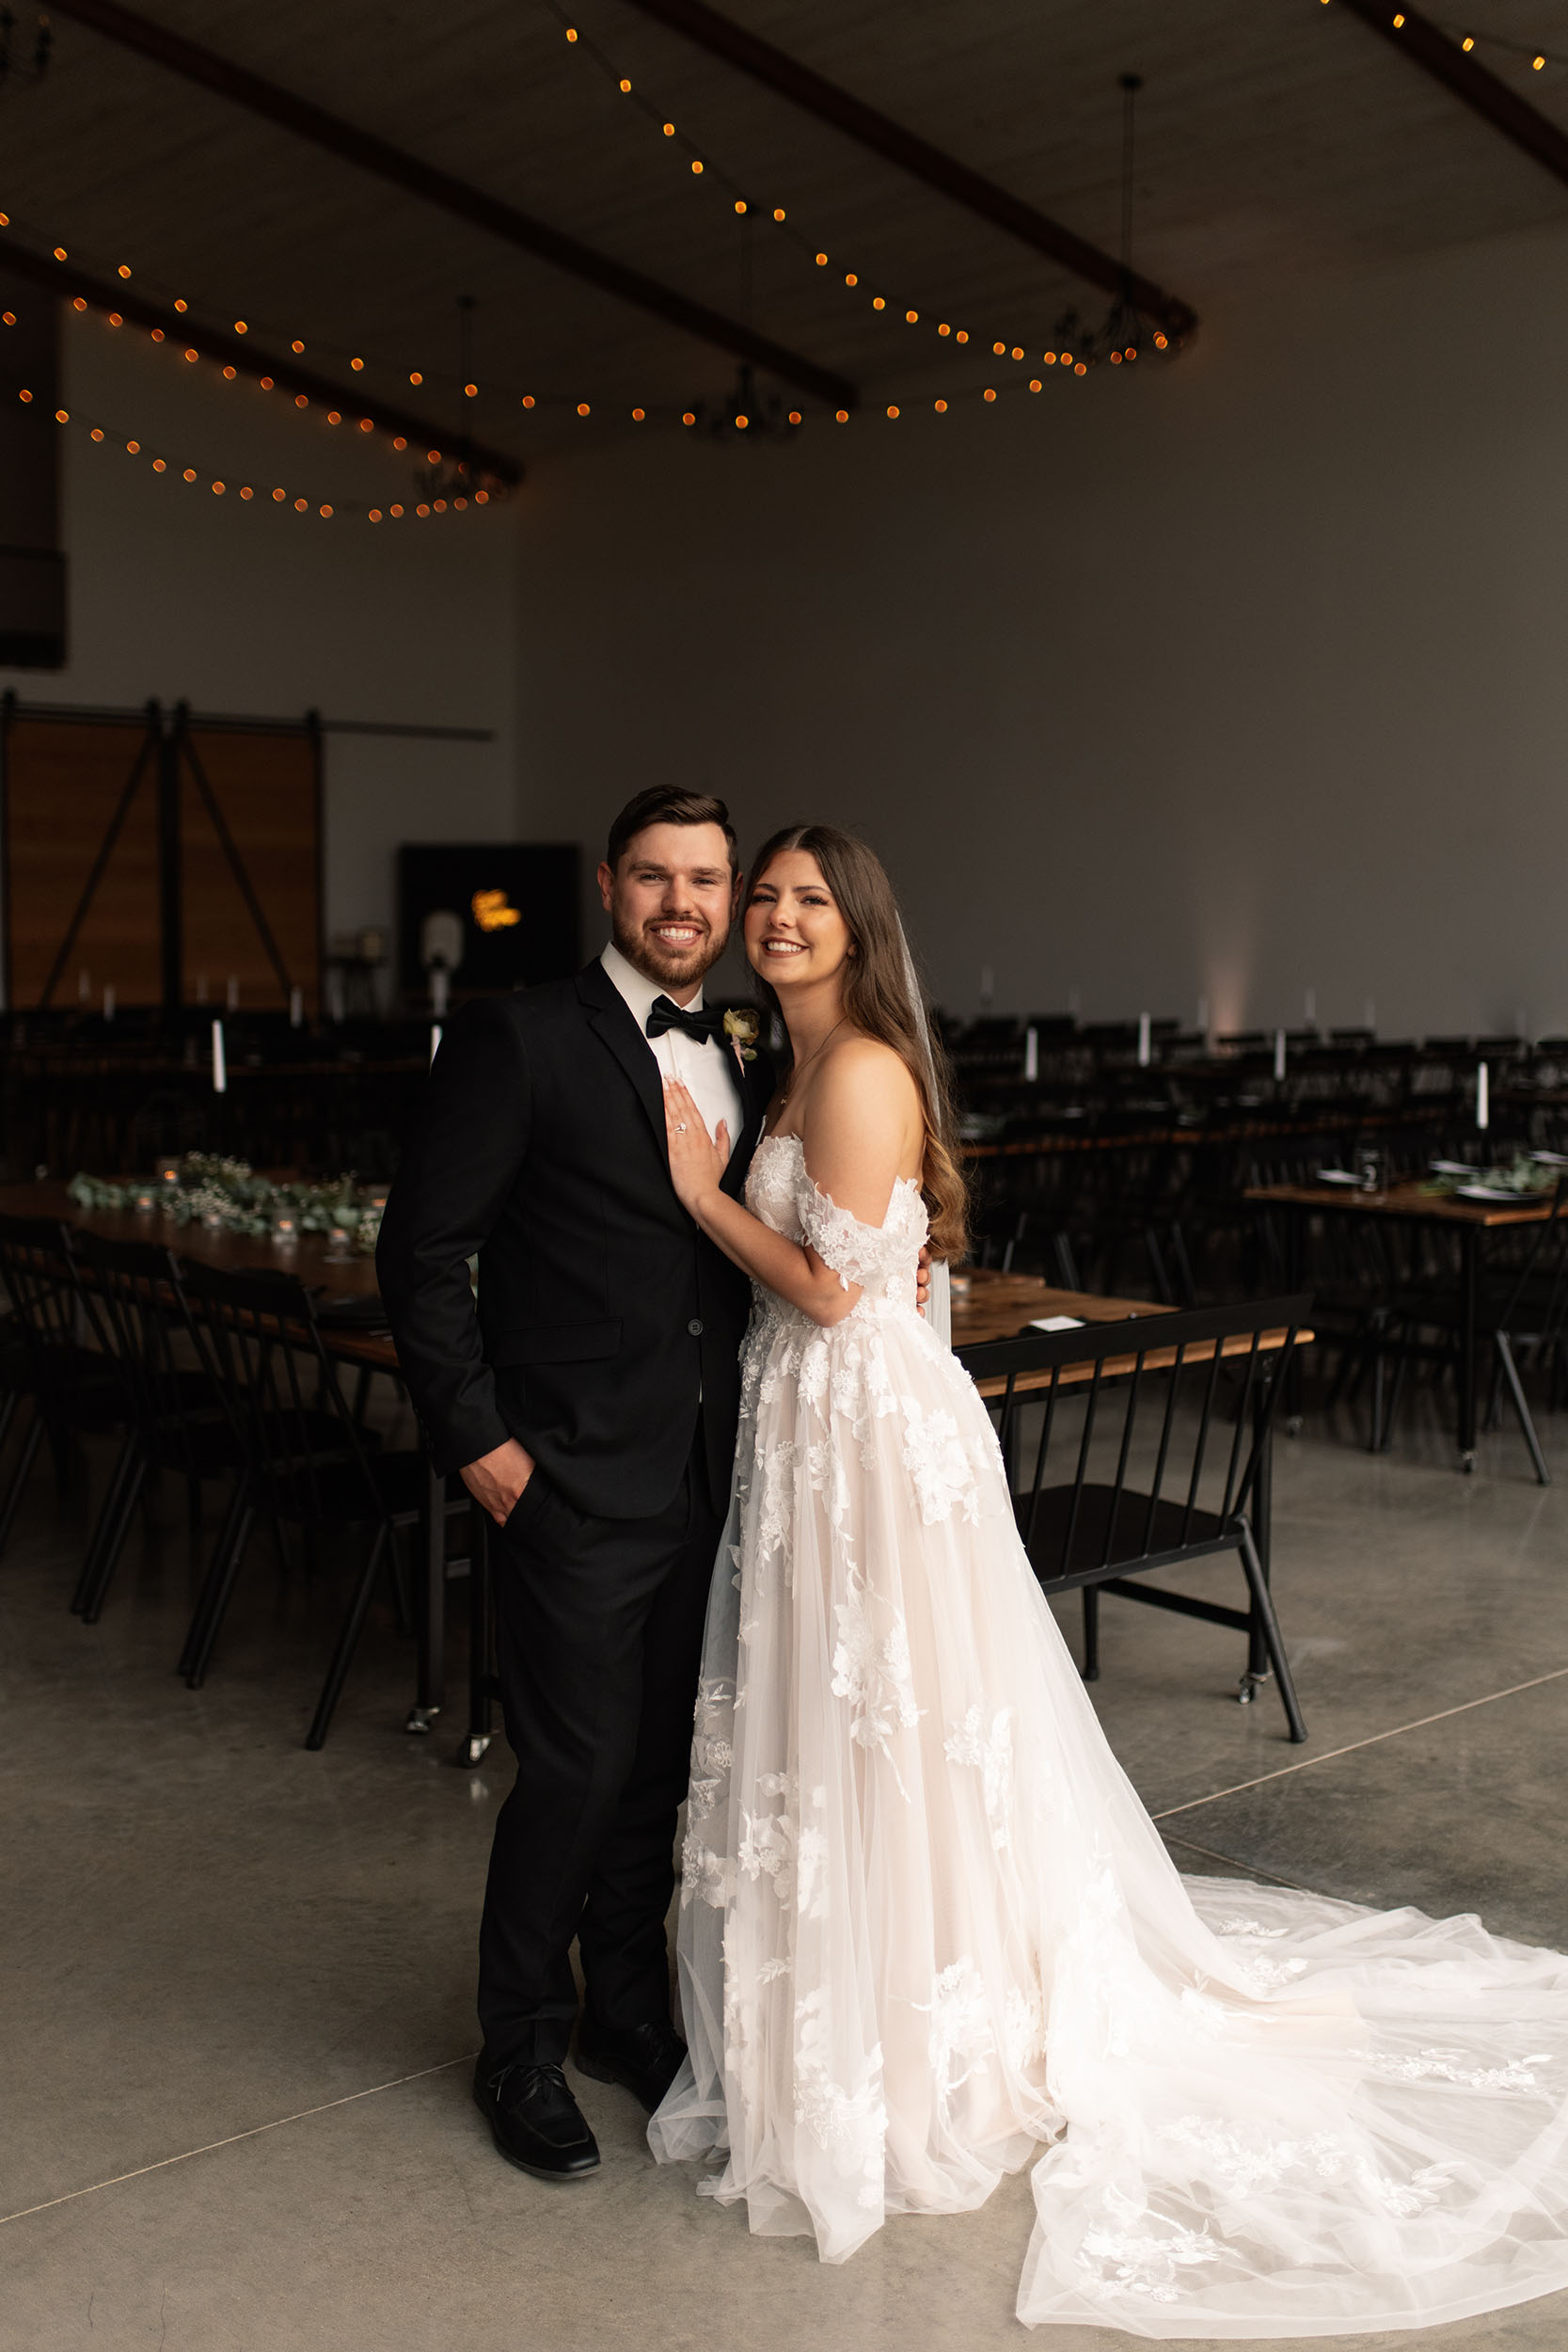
<point>590,1405</point>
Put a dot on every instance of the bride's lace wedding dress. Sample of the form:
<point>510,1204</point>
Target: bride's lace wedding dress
<point>928,1930</point>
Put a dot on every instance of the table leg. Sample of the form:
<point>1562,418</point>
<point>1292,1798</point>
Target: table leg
<point>1469,1254</point>
<point>432,1606</point>
<point>1295,1258</point>
<point>1262,1515</point>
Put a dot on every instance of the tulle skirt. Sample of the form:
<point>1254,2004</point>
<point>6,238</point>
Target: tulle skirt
<point>929,1933</point>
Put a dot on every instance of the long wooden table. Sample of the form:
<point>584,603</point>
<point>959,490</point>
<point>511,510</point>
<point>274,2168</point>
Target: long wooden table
<point>1472,1220</point>
<point>986,1305</point>
<point>1208,1134</point>
<point>1002,1307</point>
<point>214,1244</point>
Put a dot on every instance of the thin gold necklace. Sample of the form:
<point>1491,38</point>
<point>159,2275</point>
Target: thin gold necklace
<point>794,1072</point>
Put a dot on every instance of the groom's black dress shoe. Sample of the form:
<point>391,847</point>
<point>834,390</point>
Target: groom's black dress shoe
<point>534,2120</point>
<point>646,2059</point>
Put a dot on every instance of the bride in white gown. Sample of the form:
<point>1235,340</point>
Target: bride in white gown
<point>928,1928</point>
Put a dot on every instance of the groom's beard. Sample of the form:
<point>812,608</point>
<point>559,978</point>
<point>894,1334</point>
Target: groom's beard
<point>671,967</point>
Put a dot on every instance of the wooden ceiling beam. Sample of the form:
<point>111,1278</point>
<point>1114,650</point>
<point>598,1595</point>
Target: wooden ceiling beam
<point>474,205</point>
<point>241,353</point>
<point>862,123</point>
<point>1462,72</point>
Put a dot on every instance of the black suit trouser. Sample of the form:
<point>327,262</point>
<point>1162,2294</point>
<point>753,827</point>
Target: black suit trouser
<point>599,1633</point>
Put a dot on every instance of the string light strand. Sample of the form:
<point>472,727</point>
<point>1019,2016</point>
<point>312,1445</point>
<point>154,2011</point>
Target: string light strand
<point>568,403</point>
<point>1538,53</point>
<point>254,321</point>
<point>259,492</point>
<point>255,325</point>
<point>401,432</point>
<point>1067,360</point>
<point>650,412</point>
<point>701,164</point>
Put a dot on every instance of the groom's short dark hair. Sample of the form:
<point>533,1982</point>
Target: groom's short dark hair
<point>661,804</point>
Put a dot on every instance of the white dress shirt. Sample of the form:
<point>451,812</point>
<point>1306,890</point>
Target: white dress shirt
<point>708,1070</point>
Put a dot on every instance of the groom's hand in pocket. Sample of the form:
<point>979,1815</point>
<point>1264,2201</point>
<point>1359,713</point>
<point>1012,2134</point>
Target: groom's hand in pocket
<point>497,1480</point>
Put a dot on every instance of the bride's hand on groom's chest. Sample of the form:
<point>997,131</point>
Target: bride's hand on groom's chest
<point>697,1159</point>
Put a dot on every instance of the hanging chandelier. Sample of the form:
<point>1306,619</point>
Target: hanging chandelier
<point>461,474</point>
<point>1123,335</point>
<point>746,413</point>
<point>760,416</point>
<point>1125,332</point>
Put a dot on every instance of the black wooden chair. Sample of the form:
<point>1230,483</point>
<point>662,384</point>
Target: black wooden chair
<point>76,1391</point>
<point>308,1465</point>
<point>1149,1392</point>
<point>16,1387</point>
<point>132,1297</point>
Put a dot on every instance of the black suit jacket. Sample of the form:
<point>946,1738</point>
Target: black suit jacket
<point>604,1314</point>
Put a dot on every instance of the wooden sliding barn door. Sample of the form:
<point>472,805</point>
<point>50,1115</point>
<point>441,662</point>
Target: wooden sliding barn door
<point>162,856</point>
<point>250,864</point>
<point>81,854</point>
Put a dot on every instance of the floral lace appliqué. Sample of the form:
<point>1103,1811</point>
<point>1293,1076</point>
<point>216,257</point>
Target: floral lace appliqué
<point>767,1848</point>
<point>961,2036</point>
<point>934,1458</point>
<point>1443,2066</point>
<point>872,1670</point>
<point>848,2125</point>
<point>1123,2259</point>
<point>705,1876</point>
<point>1024,2027</point>
<point>1245,2163</point>
<point>985,1738</point>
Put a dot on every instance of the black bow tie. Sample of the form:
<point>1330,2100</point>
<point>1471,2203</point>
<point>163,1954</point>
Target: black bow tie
<point>700,1025</point>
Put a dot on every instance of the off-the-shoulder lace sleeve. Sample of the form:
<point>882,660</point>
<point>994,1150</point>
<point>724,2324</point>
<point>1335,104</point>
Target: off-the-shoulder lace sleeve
<point>874,1256</point>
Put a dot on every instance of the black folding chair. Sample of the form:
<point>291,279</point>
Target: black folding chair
<point>76,1389</point>
<point>16,1384</point>
<point>1149,1389</point>
<point>307,1463</point>
<point>132,1297</point>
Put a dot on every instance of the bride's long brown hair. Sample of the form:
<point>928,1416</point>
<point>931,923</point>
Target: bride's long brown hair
<point>876,1002</point>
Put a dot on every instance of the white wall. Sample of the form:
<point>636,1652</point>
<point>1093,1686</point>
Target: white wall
<point>176,593</point>
<point>1239,678</point>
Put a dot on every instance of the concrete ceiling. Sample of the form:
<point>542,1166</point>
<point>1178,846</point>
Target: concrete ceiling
<point>1276,137</point>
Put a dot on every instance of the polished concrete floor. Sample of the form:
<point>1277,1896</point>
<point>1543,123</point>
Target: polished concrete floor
<point>237,2022</point>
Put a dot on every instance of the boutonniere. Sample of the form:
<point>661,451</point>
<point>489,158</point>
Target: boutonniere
<point>740,1027</point>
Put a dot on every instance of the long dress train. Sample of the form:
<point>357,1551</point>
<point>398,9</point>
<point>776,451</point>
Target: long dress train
<point>927,1927</point>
